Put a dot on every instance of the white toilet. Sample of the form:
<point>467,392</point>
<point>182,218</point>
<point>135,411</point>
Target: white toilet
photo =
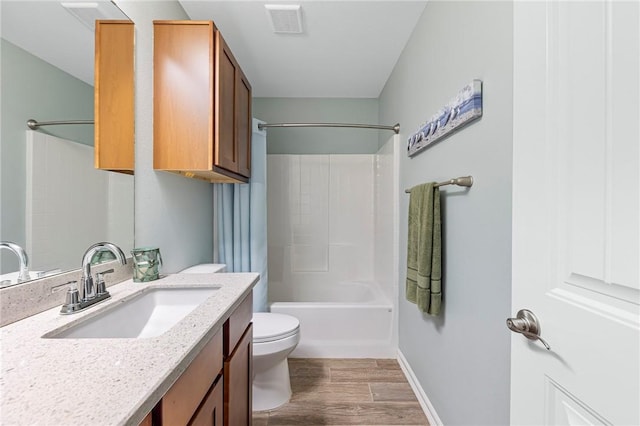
<point>205,268</point>
<point>274,337</point>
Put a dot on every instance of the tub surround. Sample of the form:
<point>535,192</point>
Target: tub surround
<point>333,250</point>
<point>45,380</point>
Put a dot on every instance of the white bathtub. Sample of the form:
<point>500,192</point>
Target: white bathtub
<point>340,320</point>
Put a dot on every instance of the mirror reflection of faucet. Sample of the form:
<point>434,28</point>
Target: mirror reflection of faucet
<point>23,275</point>
<point>90,293</point>
<point>12,277</point>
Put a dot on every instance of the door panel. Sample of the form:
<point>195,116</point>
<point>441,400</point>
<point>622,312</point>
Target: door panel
<point>182,96</point>
<point>226,154</point>
<point>244,129</point>
<point>566,409</point>
<point>599,141</point>
<point>238,379</point>
<point>575,211</point>
<point>210,412</point>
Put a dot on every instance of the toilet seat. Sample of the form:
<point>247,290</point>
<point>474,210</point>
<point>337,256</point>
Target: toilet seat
<point>270,327</point>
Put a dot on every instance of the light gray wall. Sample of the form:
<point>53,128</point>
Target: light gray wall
<point>171,212</point>
<point>318,140</point>
<point>462,357</point>
<point>32,88</point>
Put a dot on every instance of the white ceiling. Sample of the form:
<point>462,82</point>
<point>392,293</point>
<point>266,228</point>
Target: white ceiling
<point>48,31</point>
<point>348,48</point>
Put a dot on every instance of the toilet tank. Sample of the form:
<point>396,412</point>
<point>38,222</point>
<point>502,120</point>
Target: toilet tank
<point>205,268</point>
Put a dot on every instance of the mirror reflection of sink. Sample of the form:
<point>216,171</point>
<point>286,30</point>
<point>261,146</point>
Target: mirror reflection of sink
<point>147,314</point>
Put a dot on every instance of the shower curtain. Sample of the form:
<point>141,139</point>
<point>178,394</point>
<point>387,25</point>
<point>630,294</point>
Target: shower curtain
<point>241,221</point>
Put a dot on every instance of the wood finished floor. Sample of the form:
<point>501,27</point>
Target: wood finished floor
<point>346,392</point>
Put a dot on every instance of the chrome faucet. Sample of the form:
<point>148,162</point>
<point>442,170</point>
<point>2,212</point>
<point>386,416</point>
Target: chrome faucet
<point>91,293</point>
<point>23,275</point>
<point>89,290</point>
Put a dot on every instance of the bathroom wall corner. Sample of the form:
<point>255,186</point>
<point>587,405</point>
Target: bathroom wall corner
<point>171,212</point>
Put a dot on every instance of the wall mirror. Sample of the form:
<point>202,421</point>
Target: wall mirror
<point>53,202</point>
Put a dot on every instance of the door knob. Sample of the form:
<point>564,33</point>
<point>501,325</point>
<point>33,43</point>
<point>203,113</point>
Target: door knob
<point>527,324</point>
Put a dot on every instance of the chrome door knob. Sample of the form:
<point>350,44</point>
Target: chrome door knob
<point>527,324</point>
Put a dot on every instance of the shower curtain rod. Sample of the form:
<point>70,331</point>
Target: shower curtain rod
<point>395,128</point>
<point>33,124</point>
<point>460,181</point>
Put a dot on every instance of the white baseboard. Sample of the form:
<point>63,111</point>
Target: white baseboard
<point>426,405</point>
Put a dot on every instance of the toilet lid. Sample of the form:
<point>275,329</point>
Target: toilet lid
<point>268,326</point>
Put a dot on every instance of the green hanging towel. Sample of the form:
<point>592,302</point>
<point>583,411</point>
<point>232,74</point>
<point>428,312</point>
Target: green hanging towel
<point>424,249</point>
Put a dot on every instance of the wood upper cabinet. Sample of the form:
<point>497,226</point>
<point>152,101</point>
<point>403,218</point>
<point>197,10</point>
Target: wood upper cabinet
<point>202,104</point>
<point>113,96</point>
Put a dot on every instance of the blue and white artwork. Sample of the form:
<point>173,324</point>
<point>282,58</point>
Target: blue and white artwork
<point>460,111</point>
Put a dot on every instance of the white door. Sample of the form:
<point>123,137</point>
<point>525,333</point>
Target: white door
<point>576,193</point>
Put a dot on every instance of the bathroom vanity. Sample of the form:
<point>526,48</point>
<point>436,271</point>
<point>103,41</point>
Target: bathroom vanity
<point>215,388</point>
<point>198,371</point>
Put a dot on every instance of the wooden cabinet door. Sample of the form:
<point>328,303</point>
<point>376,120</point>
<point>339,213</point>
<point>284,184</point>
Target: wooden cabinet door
<point>211,410</point>
<point>181,401</point>
<point>233,110</point>
<point>226,154</point>
<point>113,96</point>
<point>244,128</point>
<point>183,95</point>
<point>147,421</point>
<point>238,377</point>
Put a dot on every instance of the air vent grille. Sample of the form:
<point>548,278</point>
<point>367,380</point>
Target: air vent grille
<point>285,18</point>
<point>87,12</point>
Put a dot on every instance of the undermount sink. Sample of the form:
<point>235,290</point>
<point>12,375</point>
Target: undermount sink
<point>149,313</point>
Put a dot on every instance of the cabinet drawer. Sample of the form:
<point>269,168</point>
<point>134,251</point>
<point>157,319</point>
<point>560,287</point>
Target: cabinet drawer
<point>186,394</point>
<point>237,323</point>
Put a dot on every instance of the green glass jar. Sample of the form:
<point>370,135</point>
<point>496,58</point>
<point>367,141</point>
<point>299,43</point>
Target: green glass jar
<point>146,264</point>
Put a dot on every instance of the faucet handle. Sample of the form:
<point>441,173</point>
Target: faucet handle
<point>69,285</point>
<point>43,274</point>
<point>72,301</point>
<point>101,287</point>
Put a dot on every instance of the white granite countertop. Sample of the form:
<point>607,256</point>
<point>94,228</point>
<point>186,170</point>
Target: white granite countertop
<point>106,381</point>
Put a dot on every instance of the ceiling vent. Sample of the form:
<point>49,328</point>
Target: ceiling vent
<point>285,18</point>
<point>88,12</point>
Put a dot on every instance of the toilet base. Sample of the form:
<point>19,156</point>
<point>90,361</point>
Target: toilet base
<point>271,387</point>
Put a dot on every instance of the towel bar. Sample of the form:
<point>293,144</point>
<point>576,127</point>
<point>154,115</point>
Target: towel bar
<point>460,181</point>
<point>395,128</point>
<point>33,124</point>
